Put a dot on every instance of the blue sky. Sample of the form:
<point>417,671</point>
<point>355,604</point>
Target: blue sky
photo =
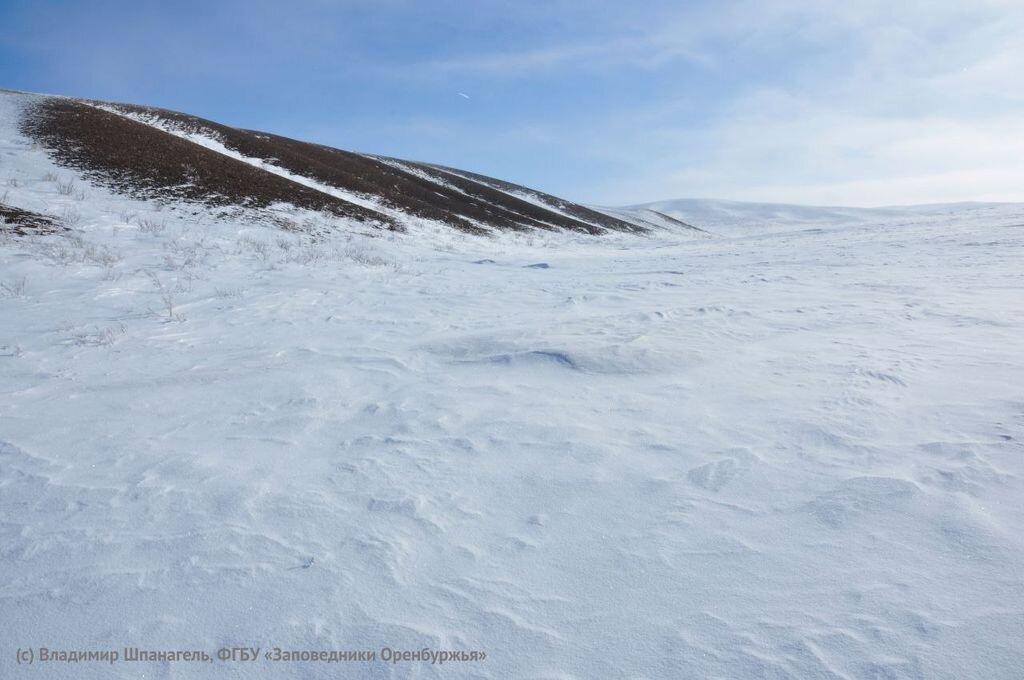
<point>857,103</point>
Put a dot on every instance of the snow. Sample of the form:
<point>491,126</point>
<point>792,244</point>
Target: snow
<point>795,453</point>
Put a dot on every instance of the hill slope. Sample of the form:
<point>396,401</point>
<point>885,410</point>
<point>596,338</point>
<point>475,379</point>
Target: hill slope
<point>164,155</point>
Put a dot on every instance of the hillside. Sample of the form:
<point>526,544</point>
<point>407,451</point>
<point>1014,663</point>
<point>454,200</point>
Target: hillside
<point>161,155</point>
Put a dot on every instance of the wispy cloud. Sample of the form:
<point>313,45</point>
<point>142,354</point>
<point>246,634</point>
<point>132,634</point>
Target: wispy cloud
<point>925,105</point>
<point>648,51</point>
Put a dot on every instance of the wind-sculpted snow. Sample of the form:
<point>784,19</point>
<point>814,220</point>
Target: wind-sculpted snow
<point>795,454</point>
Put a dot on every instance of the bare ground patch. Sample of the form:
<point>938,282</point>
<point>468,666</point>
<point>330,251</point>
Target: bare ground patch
<point>25,222</point>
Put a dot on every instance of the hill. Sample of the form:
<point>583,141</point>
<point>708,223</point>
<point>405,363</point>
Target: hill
<point>167,156</point>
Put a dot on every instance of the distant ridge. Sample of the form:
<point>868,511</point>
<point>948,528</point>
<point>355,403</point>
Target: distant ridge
<point>737,217</point>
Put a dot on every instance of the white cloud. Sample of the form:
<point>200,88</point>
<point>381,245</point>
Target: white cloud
<point>801,153</point>
<point>926,109</point>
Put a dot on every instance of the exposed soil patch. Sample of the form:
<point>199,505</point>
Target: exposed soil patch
<point>145,162</point>
<point>25,222</point>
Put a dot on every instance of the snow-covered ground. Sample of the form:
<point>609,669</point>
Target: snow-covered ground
<point>781,455</point>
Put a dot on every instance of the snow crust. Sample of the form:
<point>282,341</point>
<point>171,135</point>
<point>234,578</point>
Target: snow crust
<point>795,453</point>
